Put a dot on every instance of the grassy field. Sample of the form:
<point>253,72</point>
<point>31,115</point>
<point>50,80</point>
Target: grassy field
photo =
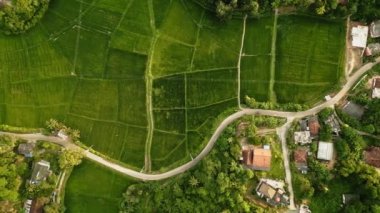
<point>89,64</point>
<point>92,188</point>
<point>309,58</point>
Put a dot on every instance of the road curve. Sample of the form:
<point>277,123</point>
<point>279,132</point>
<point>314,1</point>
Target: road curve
<point>230,119</point>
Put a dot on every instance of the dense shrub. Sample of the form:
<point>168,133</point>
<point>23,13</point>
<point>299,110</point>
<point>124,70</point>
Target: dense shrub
<point>19,16</point>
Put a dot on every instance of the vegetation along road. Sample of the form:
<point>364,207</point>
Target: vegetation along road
<point>230,119</point>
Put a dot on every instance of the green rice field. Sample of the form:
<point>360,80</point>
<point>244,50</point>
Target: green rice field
<point>309,58</point>
<point>146,79</point>
<point>93,188</point>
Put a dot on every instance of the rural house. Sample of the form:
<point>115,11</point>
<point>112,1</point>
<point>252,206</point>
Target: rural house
<point>375,29</point>
<point>376,88</point>
<point>300,159</point>
<point>314,126</point>
<point>359,36</point>
<point>325,151</point>
<point>41,170</point>
<point>302,137</point>
<point>26,149</point>
<point>274,196</point>
<point>372,156</point>
<point>257,158</point>
<point>303,125</point>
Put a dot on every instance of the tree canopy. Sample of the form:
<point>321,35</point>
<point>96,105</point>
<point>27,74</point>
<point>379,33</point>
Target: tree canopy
<point>18,16</point>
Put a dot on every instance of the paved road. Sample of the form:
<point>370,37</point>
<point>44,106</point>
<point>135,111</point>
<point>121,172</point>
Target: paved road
<point>281,132</point>
<point>142,176</point>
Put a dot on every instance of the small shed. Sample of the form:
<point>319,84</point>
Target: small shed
<point>62,134</point>
<point>376,88</point>
<point>375,29</point>
<point>359,36</point>
<point>325,151</point>
<point>26,149</point>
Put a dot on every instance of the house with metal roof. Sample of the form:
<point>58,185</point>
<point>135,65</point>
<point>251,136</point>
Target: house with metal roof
<point>325,151</point>
<point>359,36</point>
<point>26,149</point>
<point>41,170</point>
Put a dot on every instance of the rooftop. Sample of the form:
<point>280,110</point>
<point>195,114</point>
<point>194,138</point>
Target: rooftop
<point>274,196</point>
<point>300,159</point>
<point>375,29</point>
<point>314,126</point>
<point>261,159</point>
<point>302,137</point>
<point>376,88</point>
<point>41,170</point>
<point>359,36</point>
<point>26,149</point>
<point>325,150</point>
<point>353,109</point>
<point>372,156</point>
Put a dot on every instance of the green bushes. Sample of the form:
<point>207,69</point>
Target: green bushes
<point>21,15</point>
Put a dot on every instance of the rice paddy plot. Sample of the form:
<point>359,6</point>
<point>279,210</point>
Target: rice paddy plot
<point>255,77</point>
<point>169,92</point>
<point>173,25</point>
<point>210,87</point>
<point>172,121</point>
<point>132,100</point>
<point>164,145</point>
<point>258,37</point>
<point>218,44</point>
<point>102,104</point>
<point>134,147</point>
<point>137,18</point>
<point>290,92</point>
<point>108,138</point>
<point>93,188</point>
<point>310,51</point>
<point>171,57</point>
<point>123,64</point>
<point>101,19</point>
<point>92,53</point>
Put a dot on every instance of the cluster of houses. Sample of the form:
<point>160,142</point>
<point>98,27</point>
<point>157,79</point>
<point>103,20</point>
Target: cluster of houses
<point>259,159</point>
<point>41,170</point>
<point>360,34</point>
<point>309,130</point>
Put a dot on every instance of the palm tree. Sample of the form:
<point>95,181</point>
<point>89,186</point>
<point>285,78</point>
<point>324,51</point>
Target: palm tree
<point>193,181</point>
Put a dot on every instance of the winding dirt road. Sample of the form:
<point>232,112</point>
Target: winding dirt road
<point>230,119</point>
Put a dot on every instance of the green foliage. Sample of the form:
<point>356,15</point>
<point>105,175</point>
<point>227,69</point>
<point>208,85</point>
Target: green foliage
<point>70,158</point>
<point>217,183</point>
<point>225,8</point>
<point>20,15</point>
<point>372,117</point>
<point>12,169</point>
